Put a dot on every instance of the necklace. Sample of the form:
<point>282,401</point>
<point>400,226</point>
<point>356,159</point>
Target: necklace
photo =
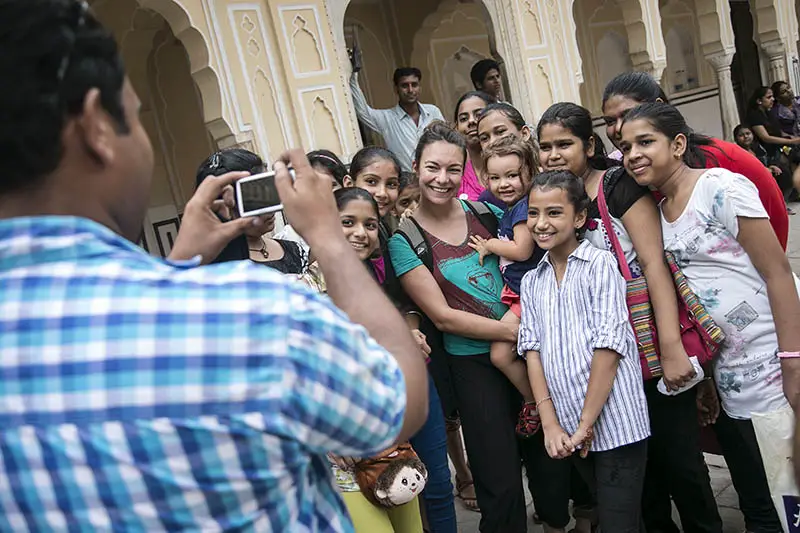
<point>263,249</point>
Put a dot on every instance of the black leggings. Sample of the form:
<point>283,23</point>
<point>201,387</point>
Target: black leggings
<point>737,438</point>
<point>616,478</point>
<point>676,467</point>
<point>489,406</point>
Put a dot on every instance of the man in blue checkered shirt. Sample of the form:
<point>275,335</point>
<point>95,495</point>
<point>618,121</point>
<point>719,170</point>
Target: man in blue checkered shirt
<point>145,395</point>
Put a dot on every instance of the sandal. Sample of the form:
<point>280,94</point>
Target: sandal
<point>529,422</point>
<point>470,502</point>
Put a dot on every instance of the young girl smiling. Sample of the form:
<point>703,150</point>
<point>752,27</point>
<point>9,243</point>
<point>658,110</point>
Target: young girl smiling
<point>582,356</point>
<point>715,225</point>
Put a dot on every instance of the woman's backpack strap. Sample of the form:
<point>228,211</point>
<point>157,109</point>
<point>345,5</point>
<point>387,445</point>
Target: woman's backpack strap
<point>415,236</point>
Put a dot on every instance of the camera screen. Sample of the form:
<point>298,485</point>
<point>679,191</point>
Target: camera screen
<point>260,193</point>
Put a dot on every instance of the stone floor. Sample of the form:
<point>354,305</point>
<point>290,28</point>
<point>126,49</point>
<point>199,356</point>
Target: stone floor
<point>720,478</point>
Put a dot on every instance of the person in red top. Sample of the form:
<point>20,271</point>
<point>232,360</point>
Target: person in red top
<point>631,89</point>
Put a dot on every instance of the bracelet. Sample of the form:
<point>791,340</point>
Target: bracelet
<point>789,355</point>
<point>540,402</point>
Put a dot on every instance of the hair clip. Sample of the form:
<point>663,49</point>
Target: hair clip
<point>215,161</point>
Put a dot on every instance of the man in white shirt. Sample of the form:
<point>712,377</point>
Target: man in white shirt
<point>402,125</point>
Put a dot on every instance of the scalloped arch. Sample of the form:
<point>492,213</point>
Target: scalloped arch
<point>204,75</point>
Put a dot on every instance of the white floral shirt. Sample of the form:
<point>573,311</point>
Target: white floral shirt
<point>704,241</point>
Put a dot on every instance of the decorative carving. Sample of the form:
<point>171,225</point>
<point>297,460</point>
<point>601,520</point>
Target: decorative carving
<point>543,87</point>
<point>323,120</point>
<point>307,55</point>
<point>530,23</point>
<point>253,48</point>
<point>268,109</point>
<point>264,104</point>
<point>248,25</point>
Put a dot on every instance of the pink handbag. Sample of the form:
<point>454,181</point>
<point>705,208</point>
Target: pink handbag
<point>700,335</point>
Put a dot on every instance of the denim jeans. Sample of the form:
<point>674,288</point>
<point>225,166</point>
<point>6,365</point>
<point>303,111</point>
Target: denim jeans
<point>430,443</point>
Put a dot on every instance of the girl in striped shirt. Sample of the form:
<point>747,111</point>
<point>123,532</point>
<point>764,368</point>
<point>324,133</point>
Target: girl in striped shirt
<point>582,358</point>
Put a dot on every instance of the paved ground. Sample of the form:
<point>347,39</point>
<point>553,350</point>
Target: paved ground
<point>720,478</point>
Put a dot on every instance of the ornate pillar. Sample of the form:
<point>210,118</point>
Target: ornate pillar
<point>776,52</point>
<point>654,68</point>
<point>721,61</point>
<point>642,20</point>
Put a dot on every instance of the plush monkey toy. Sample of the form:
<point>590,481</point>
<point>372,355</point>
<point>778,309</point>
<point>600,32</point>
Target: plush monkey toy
<point>395,477</point>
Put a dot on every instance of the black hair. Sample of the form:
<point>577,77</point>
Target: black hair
<point>639,86</point>
<point>567,181</point>
<point>439,131</point>
<point>408,179</point>
<point>348,194</point>
<point>402,72</point>
<point>578,121</point>
<point>230,160</point>
<point>53,53</point>
<point>222,162</point>
<point>757,95</point>
<point>508,111</point>
<point>486,97</point>
<point>739,128</point>
<point>368,155</point>
<point>669,121</point>
<point>330,162</point>
<point>776,88</point>
<point>481,69</point>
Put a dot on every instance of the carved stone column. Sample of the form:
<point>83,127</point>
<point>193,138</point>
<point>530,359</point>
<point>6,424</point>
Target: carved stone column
<point>654,68</point>
<point>721,61</point>
<point>776,52</point>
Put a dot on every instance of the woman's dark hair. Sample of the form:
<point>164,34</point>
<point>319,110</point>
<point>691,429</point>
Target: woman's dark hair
<point>639,86</point>
<point>222,162</point>
<point>776,88</point>
<point>508,111</point>
<point>567,181</point>
<point>738,129</point>
<point>578,121</point>
<point>368,155</point>
<point>669,121</point>
<point>348,194</point>
<point>757,95</point>
<point>230,160</point>
<point>53,53</point>
<point>330,162</point>
<point>486,97</point>
<point>439,131</point>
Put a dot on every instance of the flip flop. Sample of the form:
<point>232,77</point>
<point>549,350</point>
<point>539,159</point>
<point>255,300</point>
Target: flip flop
<point>470,502</point>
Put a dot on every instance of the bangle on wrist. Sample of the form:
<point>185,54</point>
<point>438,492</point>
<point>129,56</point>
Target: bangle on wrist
<point>545,399</point>
<point>788,355</point>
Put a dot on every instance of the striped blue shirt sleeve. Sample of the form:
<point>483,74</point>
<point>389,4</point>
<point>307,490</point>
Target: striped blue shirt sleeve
<point>345,393</point>
<point>529,335</point>
<point>608,309</point>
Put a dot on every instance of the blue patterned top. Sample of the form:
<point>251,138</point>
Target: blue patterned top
<point>143,395</point>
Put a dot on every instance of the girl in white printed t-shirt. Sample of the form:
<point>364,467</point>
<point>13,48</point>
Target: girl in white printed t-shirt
<point>714,223</point>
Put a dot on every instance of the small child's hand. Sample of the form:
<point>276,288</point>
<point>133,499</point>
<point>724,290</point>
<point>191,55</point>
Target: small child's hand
<point>478,244</point>
<point>557,442</point>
